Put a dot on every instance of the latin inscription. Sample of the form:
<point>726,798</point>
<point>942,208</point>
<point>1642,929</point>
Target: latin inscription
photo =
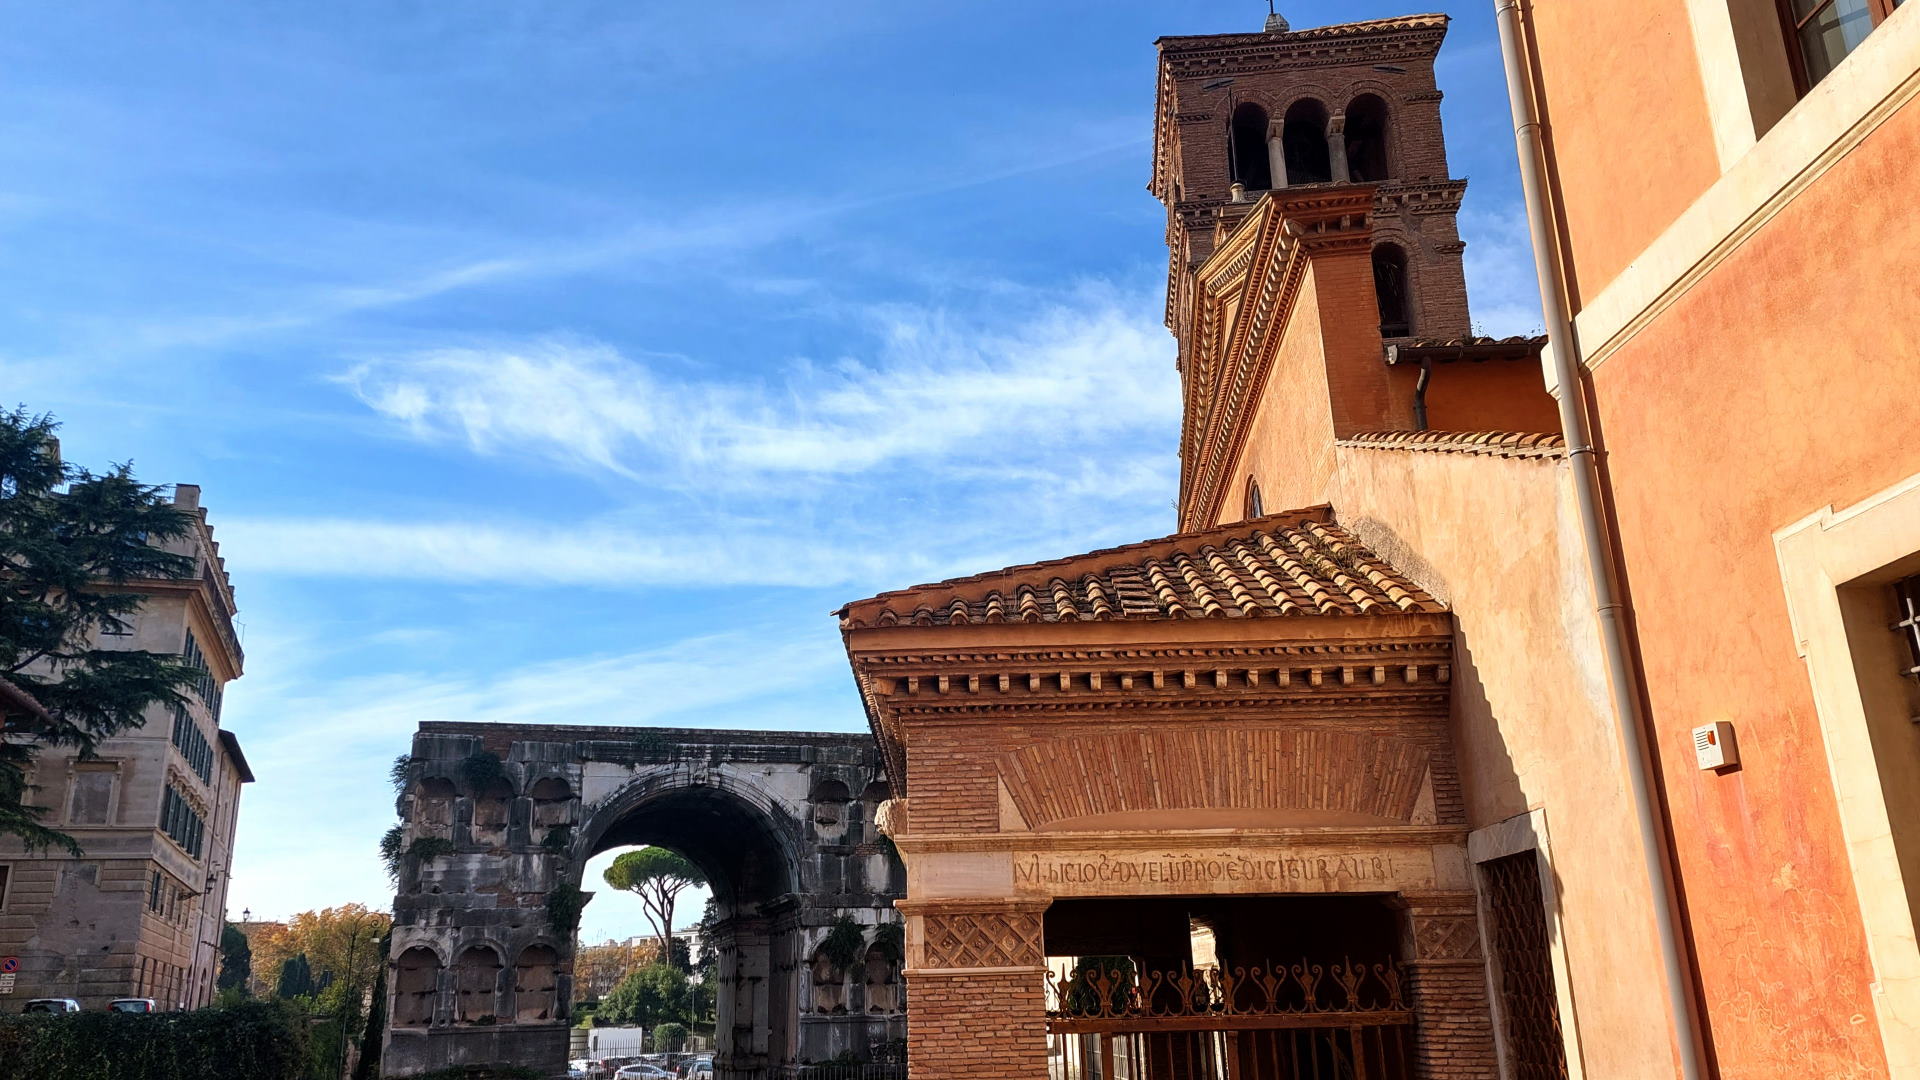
<point>1205,870</point>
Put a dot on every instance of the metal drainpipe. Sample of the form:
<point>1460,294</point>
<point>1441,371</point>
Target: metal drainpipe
<point>1608,607</point>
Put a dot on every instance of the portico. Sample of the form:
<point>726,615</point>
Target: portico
<point>1186,808</point>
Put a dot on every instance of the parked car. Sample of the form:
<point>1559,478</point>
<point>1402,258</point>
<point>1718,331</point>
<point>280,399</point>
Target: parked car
<point>52,1005</point>
<point>643,1072</point>
<point>699,1069</point>
<point>133,1005</point>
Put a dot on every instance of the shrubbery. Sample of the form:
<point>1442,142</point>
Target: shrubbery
<point>254,1040</point>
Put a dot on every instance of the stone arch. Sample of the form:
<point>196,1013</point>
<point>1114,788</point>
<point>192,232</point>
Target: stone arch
<point>416,986</point>
<point>476,984</point>
<point>830,804</point>
<point>829,984</point>
<point>748,848</point>
<point>536,983</point>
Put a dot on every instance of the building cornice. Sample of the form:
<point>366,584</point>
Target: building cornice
<point>912,843</point>
<point>1258,270</point>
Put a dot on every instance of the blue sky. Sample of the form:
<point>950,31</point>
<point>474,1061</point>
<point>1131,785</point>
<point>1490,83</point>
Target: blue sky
<point>570,362</point>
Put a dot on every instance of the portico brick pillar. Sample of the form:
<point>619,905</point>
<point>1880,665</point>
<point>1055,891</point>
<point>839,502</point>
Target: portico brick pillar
<point>1446,973</point>
<point>976,1000</point>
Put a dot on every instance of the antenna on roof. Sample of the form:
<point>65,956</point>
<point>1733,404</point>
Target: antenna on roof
<point>1276,22</point>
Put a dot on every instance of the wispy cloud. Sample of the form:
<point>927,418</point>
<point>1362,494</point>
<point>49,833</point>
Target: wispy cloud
<point>938,386</point>
<point>1499,263</point>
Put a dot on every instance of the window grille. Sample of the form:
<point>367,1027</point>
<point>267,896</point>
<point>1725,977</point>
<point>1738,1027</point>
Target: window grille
<point>180,821</point>
<point>204,682</point>
<point>1906,599</point>
<point>193,745</point>
<point>1529,1008</point>
<point>153,891</point>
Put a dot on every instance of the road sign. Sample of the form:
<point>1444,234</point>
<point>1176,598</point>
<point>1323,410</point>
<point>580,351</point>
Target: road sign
<point>6,982</point>
<point>9,965</point>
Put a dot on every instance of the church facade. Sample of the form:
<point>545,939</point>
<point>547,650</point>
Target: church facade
<point>1335,780</point>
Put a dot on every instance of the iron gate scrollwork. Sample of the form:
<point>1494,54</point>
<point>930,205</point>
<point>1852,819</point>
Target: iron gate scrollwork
<point>1303,1021</point>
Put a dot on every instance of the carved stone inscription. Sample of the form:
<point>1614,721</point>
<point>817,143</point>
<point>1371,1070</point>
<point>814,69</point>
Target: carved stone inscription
<point>1246,871</point>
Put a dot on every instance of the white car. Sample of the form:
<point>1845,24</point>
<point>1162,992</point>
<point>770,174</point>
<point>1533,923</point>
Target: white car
<point>643,1072</point>
<point>52,1005</point>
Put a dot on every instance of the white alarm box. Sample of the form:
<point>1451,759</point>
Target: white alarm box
<point>1713,746</point>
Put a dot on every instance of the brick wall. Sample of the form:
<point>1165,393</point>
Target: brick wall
<point>976,1026</point>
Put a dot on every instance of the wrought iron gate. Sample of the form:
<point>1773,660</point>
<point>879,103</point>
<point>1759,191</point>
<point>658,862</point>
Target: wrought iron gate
<point>1529,1009</point>
<point>1306,1021</point>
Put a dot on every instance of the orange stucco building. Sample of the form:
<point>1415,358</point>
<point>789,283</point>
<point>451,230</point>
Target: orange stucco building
<point>1418,780</point>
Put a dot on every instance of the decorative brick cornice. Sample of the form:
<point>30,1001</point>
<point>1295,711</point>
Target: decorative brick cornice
<point>1413,836</point>
<point>1506,444</point>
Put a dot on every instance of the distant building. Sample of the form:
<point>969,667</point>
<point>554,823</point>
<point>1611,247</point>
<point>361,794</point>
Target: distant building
<point>597,969</point>
<point>139,914</point>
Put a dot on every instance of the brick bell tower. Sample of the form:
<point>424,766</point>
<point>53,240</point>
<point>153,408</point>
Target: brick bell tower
<point>1238,115</point>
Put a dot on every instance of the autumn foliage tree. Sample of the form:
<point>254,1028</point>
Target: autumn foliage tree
<point>71,543</point>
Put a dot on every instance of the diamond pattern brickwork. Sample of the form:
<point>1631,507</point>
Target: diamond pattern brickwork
<point>989,939</point>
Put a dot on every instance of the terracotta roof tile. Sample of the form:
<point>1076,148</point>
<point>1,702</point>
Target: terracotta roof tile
<point>1296,563</point>
<point>1346,29</point>
<point>1510,444</point>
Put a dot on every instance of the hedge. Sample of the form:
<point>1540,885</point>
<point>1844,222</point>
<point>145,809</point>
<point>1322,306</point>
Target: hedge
<point>254,1040</point>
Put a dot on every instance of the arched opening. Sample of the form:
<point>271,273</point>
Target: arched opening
<point>1303,141</point>
<point>1255,507</point>
<point>536,984</point>
<point>746,851</point>
<point>829,984</point>
<point>433,800</point>
<point>1366,132</point>
<point>883,981</point>
<point>492,809</point>
<point>551,809</point>
<point>476,985</point>
<point>1390,290</point>
<point>1249,144</point>
<point>830,809</point>
<point>416,987</point>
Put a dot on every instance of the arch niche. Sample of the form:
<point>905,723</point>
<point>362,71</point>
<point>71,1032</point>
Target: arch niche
<point>749,850</point>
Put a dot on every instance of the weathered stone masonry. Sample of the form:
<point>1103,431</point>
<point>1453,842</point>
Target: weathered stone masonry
<point>783,824</point>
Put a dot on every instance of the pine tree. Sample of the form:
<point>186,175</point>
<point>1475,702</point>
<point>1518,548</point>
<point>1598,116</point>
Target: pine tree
<point>70,540</point>
<point>296,978</point>
<point>236,959</point>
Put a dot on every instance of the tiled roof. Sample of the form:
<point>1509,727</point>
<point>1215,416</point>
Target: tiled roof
<point>1487,443</point>
<point>1365,26</point>
<point>1476,349</point>
<point>1296,563</point>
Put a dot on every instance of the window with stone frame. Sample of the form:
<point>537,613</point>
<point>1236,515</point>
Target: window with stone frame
<point>91,800</point>
<point>1820,33</point>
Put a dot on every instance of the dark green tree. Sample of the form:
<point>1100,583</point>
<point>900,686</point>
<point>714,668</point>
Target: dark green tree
<point>296,978</point>
<point>368,1067</point>
<point>658,877</point>
<point>70,541</point>
<point>655,994</point>
<point>669,1037</point>
<point>236,959</point>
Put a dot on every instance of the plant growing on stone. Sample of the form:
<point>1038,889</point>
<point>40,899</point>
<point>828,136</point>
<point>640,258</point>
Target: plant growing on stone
<point>392,849</point>
<point>483,770</point>
<point>843,943</point>
<point>557,838</point>
<point>565,903</point>
<point>70,539</point>
<point>890,939</point>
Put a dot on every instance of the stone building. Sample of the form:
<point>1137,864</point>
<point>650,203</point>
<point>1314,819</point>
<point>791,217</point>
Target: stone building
<point>1498,758</point>
<point>139,914</point>
<point>500,821</point>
